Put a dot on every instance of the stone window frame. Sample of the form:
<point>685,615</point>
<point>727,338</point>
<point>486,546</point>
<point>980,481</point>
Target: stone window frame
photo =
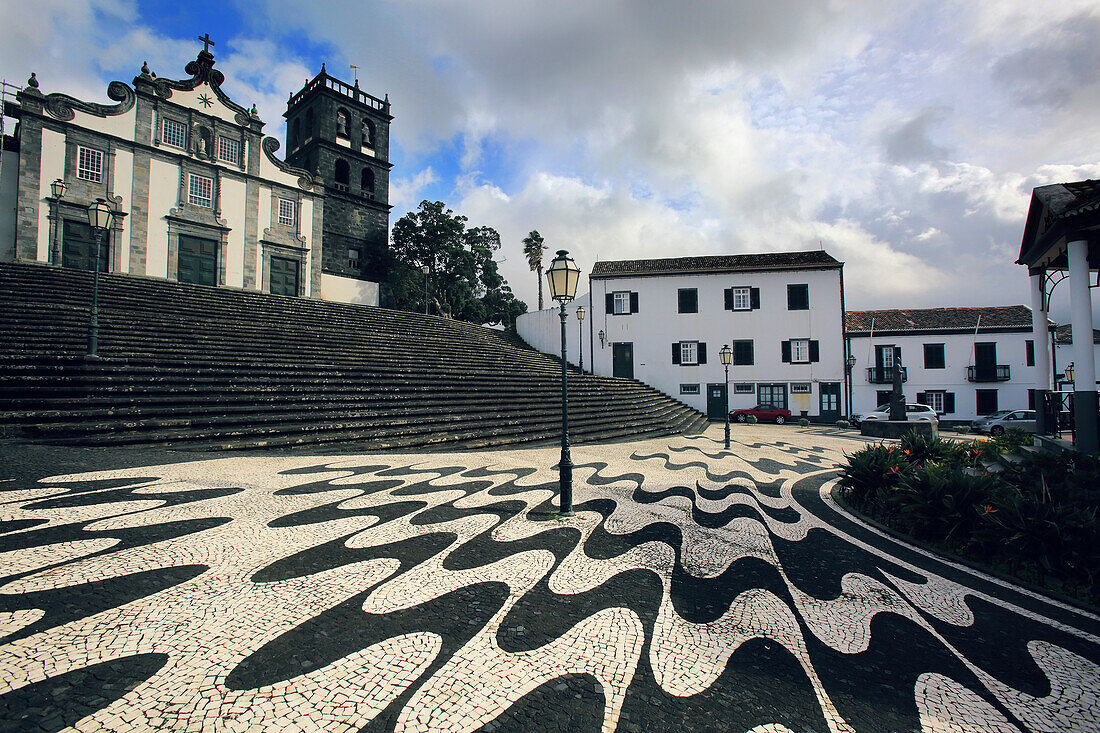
<point>67,210</point>
<point>197,221</point>
<point>166,122</point>
<point>800,388</point>
<point>180,117</point>
<point>282,240</point>
<point>355,263</point>
<point>91,173</point>
<point>287,215</point>
<point>83,189</point>
<point>223,140</point>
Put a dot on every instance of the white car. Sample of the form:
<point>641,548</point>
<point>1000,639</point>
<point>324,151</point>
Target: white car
<point>913,413</point>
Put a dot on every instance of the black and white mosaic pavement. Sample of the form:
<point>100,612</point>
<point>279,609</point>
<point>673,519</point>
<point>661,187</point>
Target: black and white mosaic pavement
<point>696,589</point>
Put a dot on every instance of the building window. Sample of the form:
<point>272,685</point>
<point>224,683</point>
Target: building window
<point>937,400</point>
<point>800,388</point>
<point>933,357</point>
<point>689,353</point>
<point>622,302</point>
<point>884,397</point>
<point>295,133</point>
<point>353,258</point>
<point>742,298</point>
<point>744,388</point>
<point>800,351</point>
<point>343,175</point>
<point>884,356</point>
<point>773,394</point>
<point>366,182</point>
<point>743,353</point>
<point>342,123</point>
<point>689,389</point>
<point>687,300</point>
<point>89,165</point>
<point>1029,348</point>
<point>174,133</point>
<point>200,190</point>
<point>798,297</point>
<point>309,124</point>
<point>229,150</point>
<point>286,212</point>
<point>986,401</point>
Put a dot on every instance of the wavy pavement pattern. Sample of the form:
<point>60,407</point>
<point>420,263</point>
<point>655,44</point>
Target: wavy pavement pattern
<point>695,588</point>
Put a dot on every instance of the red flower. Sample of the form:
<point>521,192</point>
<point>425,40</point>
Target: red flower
<point>893,469</point>
<point>988,509</point>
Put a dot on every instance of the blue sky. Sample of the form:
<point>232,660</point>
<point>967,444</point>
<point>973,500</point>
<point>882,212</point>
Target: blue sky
<point>904,137</point>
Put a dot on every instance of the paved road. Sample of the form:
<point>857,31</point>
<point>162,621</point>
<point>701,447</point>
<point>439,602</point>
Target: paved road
<point>696,589</point>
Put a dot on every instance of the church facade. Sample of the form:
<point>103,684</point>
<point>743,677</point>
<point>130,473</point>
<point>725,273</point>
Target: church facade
<point>198,192</point>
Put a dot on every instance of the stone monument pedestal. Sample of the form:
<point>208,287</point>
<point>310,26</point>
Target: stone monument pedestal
<point>897,428</point>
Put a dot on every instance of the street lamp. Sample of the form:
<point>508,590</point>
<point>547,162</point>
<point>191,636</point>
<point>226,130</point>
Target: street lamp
<point>850,363</point>
<point>57,188</point>
<point>726,355</point>
<point>580,338</point>
<point>99,219</point>
<point>424,269</point>
<point>1069,373</point>
<point>563,276</point>
<point>603,337</point>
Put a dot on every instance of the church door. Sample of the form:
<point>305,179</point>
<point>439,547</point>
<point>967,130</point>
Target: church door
<point>78,247</point>
<point>198,261</point>
<point>284,276</point>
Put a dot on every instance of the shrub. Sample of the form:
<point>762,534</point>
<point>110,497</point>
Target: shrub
<point>1012,441</point>
<point>752,419</point>
<point>803,422</point>
<point>843,424</point>
<point>871,474</point>
<point>920,448</point>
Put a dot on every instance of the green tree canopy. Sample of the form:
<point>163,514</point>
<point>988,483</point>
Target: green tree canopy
<point>462,279</point>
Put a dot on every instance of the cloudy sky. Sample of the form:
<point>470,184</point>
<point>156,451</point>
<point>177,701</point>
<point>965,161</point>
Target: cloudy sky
<point>902,137</point>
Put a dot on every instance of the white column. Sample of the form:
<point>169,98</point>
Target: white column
<point>1080,302</point>
<point>1040,334</point>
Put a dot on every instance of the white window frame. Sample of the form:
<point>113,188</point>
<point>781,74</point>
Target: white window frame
<point>287,213</point>
<point>887,357</point>
<point>934,399</point>
<point>622,303</point>
<point>689,389</point>
<point>689,353</point>
<point>800,351</point>
<point>227,145</point>
<point>742,299</point>
<point>173,132</point>
<point>800,388</point>
<point>200,190</point>
<point>89,164</point>
<point>744,388</point>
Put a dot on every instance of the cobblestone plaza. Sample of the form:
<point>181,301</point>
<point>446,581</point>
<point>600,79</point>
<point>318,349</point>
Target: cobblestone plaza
<point>696,588</point>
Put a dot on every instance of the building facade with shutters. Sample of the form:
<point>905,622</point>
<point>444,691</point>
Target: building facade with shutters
<point>198,192</point>
<point>962,362</point>
<point>664,322</point>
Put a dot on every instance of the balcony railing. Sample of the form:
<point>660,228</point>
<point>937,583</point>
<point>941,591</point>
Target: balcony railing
<point>988,373</point>
<point>883,375</point>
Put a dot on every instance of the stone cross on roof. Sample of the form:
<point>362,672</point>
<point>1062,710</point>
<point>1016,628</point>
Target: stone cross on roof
<point>206,42</point>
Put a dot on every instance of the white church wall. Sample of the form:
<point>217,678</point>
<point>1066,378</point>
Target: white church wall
<point>53,167</point>
<point>193,100</point>
<point>163,197</point>
<point>124,187</point>
<point>348,290</point>
<point>233,213</point>
<point>120,126</point>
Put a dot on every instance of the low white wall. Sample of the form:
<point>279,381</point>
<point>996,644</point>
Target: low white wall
<point>542,330</point>
<point>348,290</point>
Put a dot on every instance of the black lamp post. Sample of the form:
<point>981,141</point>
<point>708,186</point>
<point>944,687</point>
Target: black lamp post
<point>726,355</point>
<point>424,269</point>
<point>99,219</point>
<point>57,188</point>
<point>850,362</point>
<point>1070,374</point>
<point>563,276</point>
<point>580,338</point>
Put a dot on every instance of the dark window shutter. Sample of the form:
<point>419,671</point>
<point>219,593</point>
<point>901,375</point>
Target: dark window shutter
<point>609,305</point>
<point>633,302</point>
<point>786,351</point>
<point>702,353</point>
<point>922,398</point>
<point>676,353</point>
<point>754,298</point>
<point>949,402</point>
<point>1029,346</point>
<point>728,298</point>
<point>815,351</point>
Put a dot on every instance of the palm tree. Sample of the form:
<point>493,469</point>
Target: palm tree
<point>533,247</point>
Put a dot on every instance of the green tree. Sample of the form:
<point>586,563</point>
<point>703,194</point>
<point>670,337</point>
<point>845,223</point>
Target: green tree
<point>463,280</point>
<point>533,248</point>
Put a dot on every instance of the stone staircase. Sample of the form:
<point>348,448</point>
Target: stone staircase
<point>205,368</point>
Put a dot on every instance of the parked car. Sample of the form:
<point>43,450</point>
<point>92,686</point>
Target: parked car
<point>763,413</point>
<point>913,413</point>
<point>997,423</point>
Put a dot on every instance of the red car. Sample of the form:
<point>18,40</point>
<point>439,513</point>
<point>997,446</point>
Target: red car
<point>763,413</point>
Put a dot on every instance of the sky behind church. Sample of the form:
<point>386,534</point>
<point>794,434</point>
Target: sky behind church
<point>902,137</point>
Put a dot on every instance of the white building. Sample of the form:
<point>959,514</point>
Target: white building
<point>962,362</point>
<point>1064,354</point>
<point>664,321</point>
<point>197,191</point>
